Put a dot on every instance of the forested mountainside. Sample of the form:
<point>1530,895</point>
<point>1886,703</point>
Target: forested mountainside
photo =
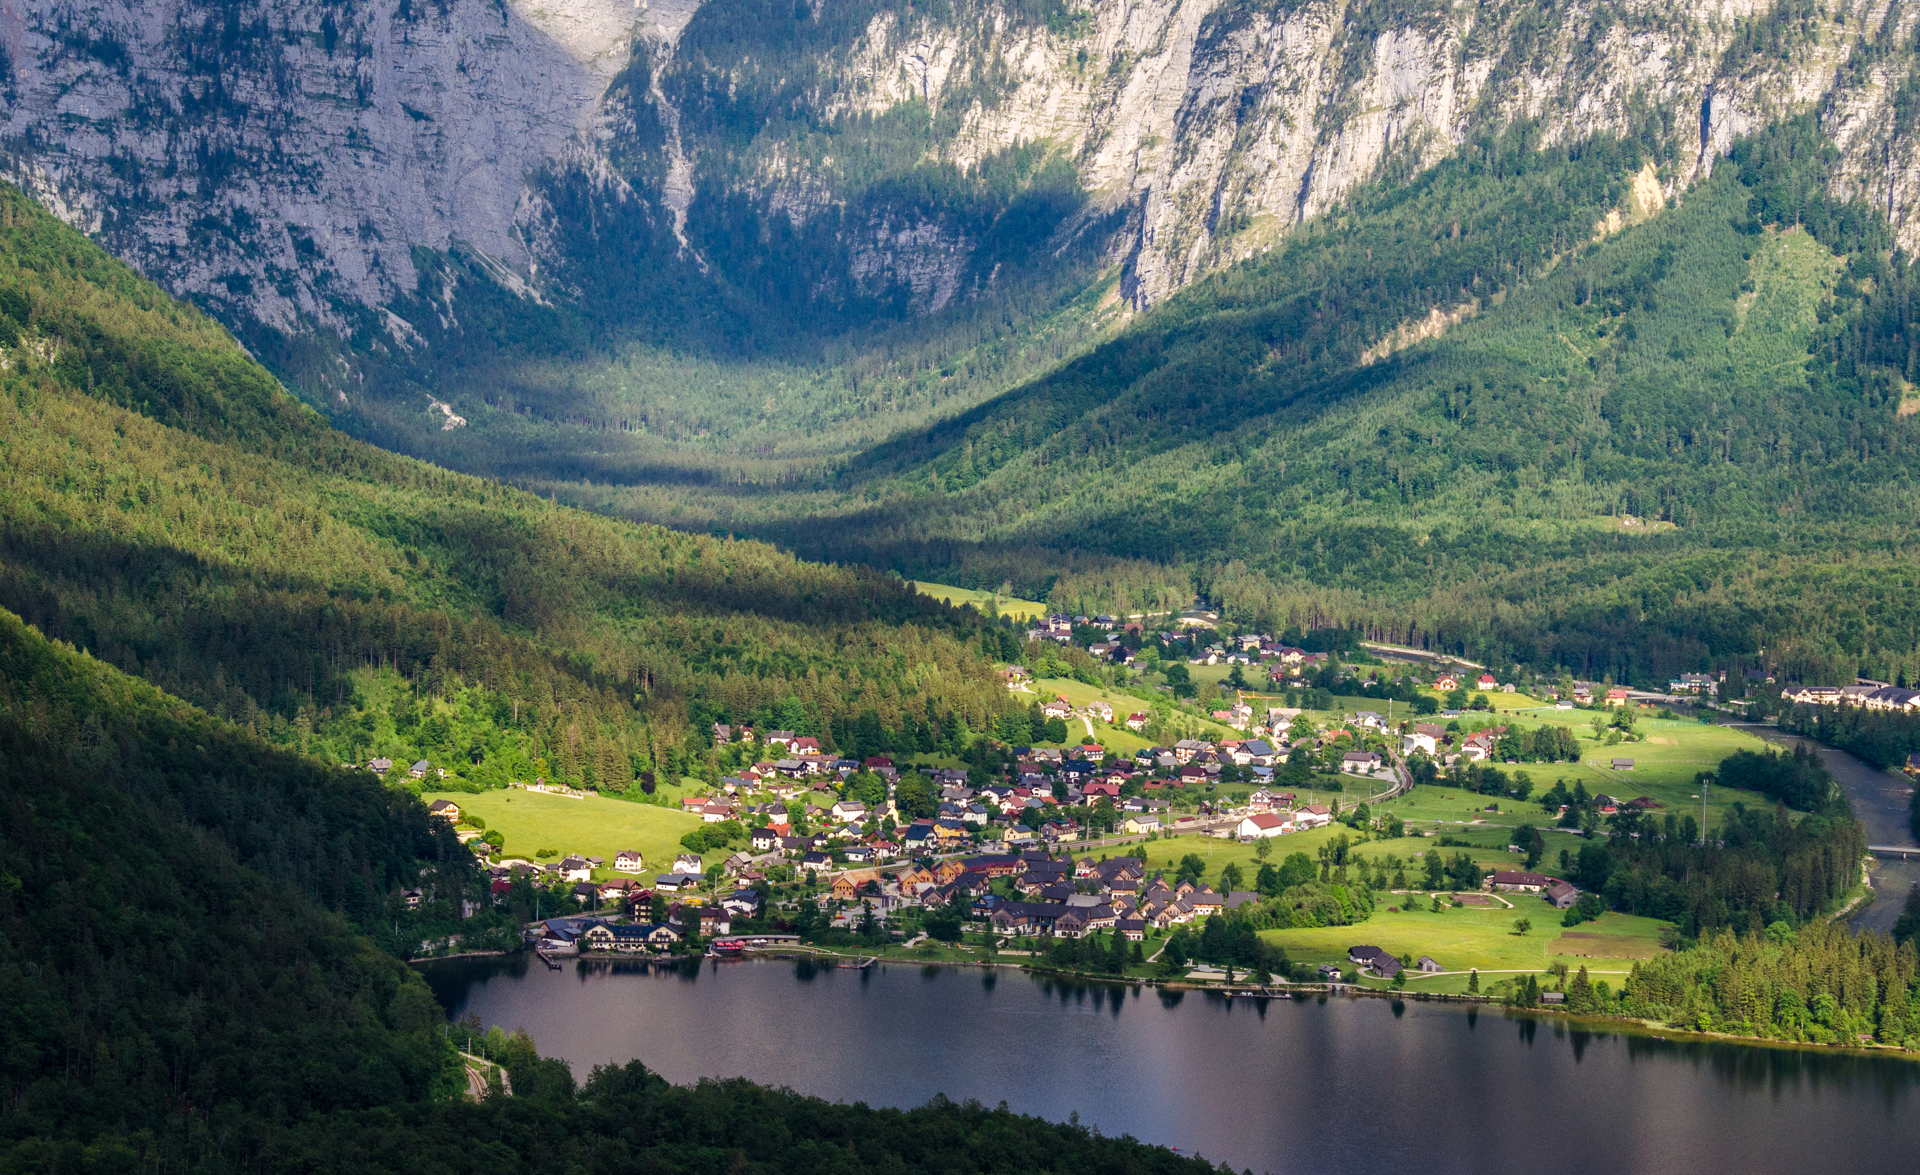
<point>833,219</point>
<point>165,505</point>
<point>1517,406</point>
<point>162,870</point>
<point>1130,293</point>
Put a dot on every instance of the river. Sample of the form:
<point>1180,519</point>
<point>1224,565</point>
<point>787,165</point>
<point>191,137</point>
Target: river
<point>1879,799</point>
<point>1302,1085</point>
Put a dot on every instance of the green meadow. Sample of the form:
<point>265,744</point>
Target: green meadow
<point>591,825</point>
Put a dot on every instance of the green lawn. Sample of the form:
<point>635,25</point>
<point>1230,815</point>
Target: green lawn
<point>1666,760</point>
<point>990,603</point>
<point>1114,738</point>
<point>593,826</point>
<point>1483,938</point>
<point>1498,699</point>
<point>1217,851</point>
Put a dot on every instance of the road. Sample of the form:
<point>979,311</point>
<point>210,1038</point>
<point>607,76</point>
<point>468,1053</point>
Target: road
<point>1879,799</point>
<point>1420,654</point>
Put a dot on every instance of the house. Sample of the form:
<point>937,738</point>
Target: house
<point>674,882</point>
<point>849,811</point>
<point>1375,960</point>
<point>1137,721</point>
<point>1446,683</point>
<point>1140,825</point>
<point>1026,918</point>
<point>816,862</point>
<point>379,766</point>
<point>445,809</point>
<point>1913,764</point>
<point>1261,825</point>
<point>1893,699</point>
<point>1517,882</point>
<point>743,903</point>
<point>1360,762</point>
<point>1617,695</point>
<point>1562,894</point>
<point>1101,711</point>
<point>764,840</point>
<point>419,769</point>
<point>629,861</point>
<point>689,863</point>
<point>1426,963</point>
<point>575,869</point>
<point>1806,695</point>
<point>847,886</point>
<point>689,920</point>
<point>1623,764</point>
<point>1313,816</point>
<point>627,939</point>
<point>1259,752</point>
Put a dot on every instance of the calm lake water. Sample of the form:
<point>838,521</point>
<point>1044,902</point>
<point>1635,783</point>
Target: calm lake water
<point>1304,1085</point>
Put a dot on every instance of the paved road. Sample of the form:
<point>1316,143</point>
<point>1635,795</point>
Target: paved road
<point>1879,799</point>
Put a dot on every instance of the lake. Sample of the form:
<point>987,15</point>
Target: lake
<point>1303,1085</point>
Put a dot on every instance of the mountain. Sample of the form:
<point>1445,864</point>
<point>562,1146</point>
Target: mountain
<point>1520,406</point>
<point>1575,333</point>
<point>169,508</point>
<point>551,218</point>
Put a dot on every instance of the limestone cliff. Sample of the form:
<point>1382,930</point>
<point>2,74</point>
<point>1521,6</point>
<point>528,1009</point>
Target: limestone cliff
<point>285,163</point>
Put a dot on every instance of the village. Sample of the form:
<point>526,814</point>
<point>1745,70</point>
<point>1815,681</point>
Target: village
<point>799,847</point>
<point>1093,830</point>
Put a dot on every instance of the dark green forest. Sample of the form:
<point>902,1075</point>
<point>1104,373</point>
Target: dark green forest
<point>162,868</point>
<point>165,505</point>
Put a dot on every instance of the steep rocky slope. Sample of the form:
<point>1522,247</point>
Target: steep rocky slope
<point>284,163</point>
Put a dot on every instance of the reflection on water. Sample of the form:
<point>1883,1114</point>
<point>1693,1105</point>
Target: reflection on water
<point>1249,1082</point>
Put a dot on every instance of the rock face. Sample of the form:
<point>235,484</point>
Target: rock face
<point>283,162</point>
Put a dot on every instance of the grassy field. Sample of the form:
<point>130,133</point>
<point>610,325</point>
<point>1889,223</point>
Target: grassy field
<point>1666,760</point>
<point>591,826</point>
<point>1483,938</point>
<point>1114,738</point>
<point>1665,767</point>
<point>1218,853</point>
<point>990,603</point>
<point>1497,698</point>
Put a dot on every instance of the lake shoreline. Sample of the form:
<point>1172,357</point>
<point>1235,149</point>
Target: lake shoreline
<point>1293,991</point>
